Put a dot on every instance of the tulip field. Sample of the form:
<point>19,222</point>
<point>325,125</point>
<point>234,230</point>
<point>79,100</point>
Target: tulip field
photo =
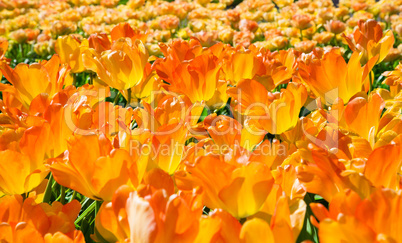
<point>207,121</point>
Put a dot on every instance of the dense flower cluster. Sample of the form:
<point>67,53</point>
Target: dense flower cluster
<point>268,121</point>
<point>275,25</point>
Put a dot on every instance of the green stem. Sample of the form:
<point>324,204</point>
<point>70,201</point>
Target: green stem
<point>73,196</point>
<point>371,82</point>
<point>22,50</point>
<point>301,34</point>
<point>48,191</point>
<point>75,79</point>
<point>98,205</point>
<point>128,97</point>
<point>91,78</point>
<point>335,41</point>
<point>63,194</point>
<point>116,99</point>
<point>85,213</point>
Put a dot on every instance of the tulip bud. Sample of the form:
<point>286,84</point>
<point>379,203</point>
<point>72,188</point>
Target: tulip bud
<point>335,26</point>
<point>301,21</point>
<point>20,36</point>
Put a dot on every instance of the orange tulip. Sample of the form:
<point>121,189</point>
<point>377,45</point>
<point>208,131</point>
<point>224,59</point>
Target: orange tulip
<point>190,71</point>
<point>97,172</point>
<point>241,65</point>
<point>230,182</point>
<point>279,68</point>
<point>3,48</point>
<point>270,69</point>
<point>326,175</point>
<point>31,80</point>
<point>70,51</point>
<point>335,26</point>
<point>255,230</point>
<point>122,67</point>
<point>394,80</point>
<point>99,42</point>
<point>383,166</point>
<point>219,226</point>
<point>23,221</point>
<point>170,109</point>
<point>198,78</point>
<point>168,146</point>
<point>124,30</point>
<point>159,217</point>
<point>143,89</point>
<point>23,165</point>
<point>276,112</point>
<point>352,219</point>
<point>286,222</point>
<point>363,116</point>
<point>369,41</point>
<point>301,21</point>
<point>226,131</point>
<point>331,78</point>
<point>17,176</point>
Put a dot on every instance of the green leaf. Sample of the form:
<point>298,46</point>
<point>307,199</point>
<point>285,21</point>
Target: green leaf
<point>205,113</point>
<point>309,231</point>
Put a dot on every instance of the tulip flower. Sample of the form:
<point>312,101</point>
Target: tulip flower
<point>276,112</point>
<point>278,68</point>
<point>122,67</point>
<point>168,146</point>
<point>198,78</point>
<point>335,26</point>
<point>363,116</point>
<point>353,219</point>
<point>24,221</point>
<point>156,218</point>
<point>325,175</point>
<point>383,166</point>
<point>17,176</point>
<point>256,230</point>
<point>226,131</point>
<point>370,41</point>
<point>237,186</point>
<point>31,80</point>
<point>99,42</point>
<point>70,51</point>
<point>3,48</point>
<point>301,21</point>
<point>143,89</point>
<point>331,78</point>
<point>219,226</point>
<point>23,163</point>
<point>124,30</point>
<point>394,80</point>
<point>170,109</point>
<point>97,172</point>
<point>241,65</point>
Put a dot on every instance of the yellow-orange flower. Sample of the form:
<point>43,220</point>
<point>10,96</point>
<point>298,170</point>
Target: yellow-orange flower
<point>331,78</point>
<point>122,67</point>
<point>97,172</point>
<point>26,221</point>
<point>230,182</point>
<point>198,78</point>
<point>353,219</point>
<point>31,80</point>
<point>276,112</point>
<point>158,217</point>
<point>369,41</point>
<point>70,51</point>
